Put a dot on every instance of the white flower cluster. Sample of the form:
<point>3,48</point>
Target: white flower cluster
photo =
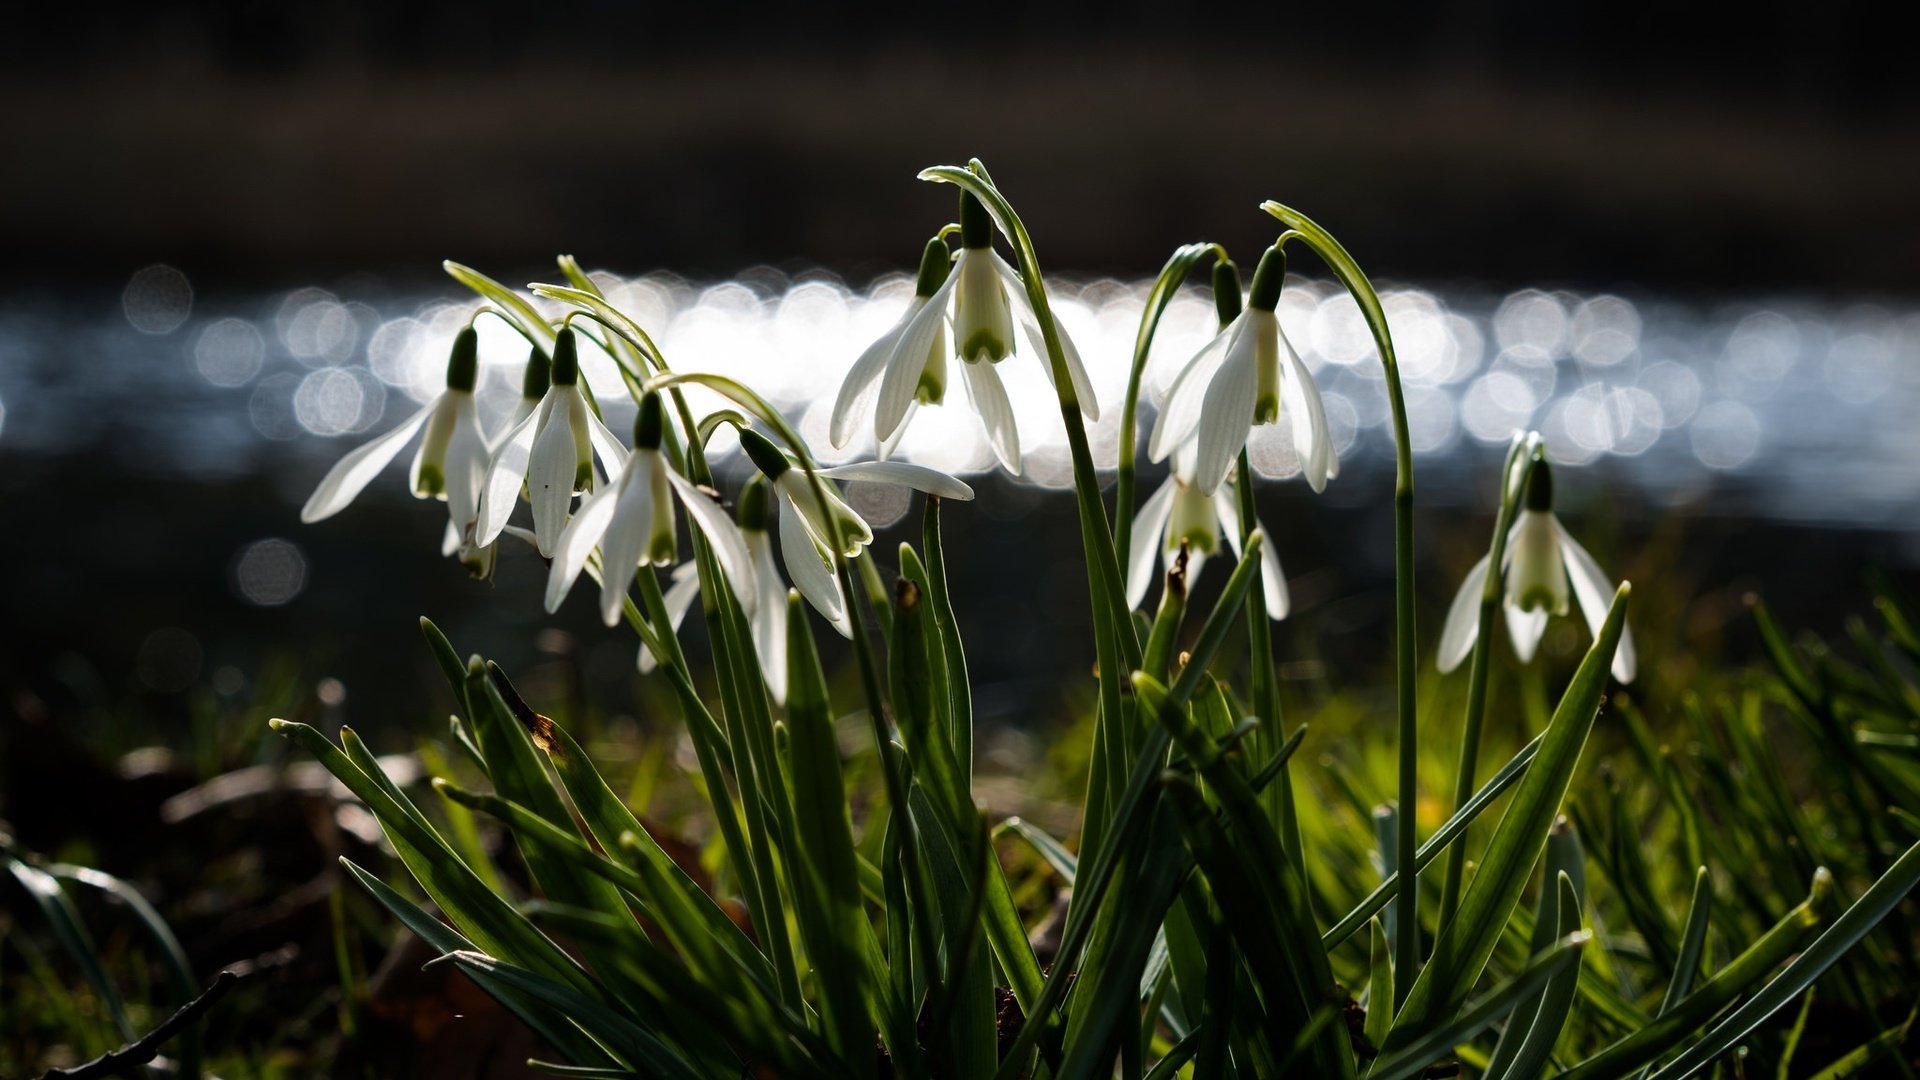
<point>966,306</point>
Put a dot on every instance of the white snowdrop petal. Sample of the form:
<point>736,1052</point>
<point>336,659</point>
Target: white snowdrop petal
<point>1312,440</point>
<point>1462,627</point>
<point>576,543</point>
<point>723,535</point>
<point>902,474</point>
<point>1526,628</point>
<point>613,456</point>
<point>908,359</point>
<point>808,569</point>
<point>625,542</point>
<point>857,388</point>
<point>996,413</point>
<point>1180,408</point>
<point>1226,416</point>
<point>1030,323</point>
<point>502,486</point>
<point>1594,593</point>
<point>352,473</point>
<point>1144,541</point>
<point>551,468</point>
<point>770,623</point>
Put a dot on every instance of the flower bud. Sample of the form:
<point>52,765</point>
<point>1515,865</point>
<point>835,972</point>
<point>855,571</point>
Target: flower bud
<point>1226,290</point>
<point>1268,277</point>
<point>566,359</point>
<point>766,456</point>
<point>1539,490</point>
<point>755,512</point>
<point>650,425</point>
<point>935,263</point>
<point>976,225</point>
<point>463,366</point>
<point>533,385</point>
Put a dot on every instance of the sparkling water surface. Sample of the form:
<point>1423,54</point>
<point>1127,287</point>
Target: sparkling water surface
<point>1780,408</point>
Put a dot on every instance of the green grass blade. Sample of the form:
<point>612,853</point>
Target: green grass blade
<point>838,937</point>
<point>1556,997</point>
<point>628,1041</point>
<point>484,918</point>
<point>559,1032</point>
<point>1055,854</point>
<point>1865,913</point>
<point>173,958</point>
<point>57,908</point>
<point>1691,1013</point>
<point>507,728</point>
<point>1413,1058</point>
<point>1465,945</point>
<point>1379,985</point>
<point>1455,827</point>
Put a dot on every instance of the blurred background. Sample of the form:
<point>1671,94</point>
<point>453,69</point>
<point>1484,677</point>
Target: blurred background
<point>1682,240</point>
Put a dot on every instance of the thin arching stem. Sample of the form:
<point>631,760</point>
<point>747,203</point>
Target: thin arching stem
<point>1406,946</point>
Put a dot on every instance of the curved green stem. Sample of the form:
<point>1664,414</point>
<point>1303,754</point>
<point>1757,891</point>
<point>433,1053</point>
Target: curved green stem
<point>1406,948</point>
<point>1482,660</point>
<point>1165,287</point>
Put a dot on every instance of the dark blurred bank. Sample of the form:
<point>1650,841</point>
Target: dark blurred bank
<point>1709,147</point>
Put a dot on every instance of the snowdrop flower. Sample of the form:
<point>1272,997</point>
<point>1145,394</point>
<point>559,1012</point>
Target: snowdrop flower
<point>1544,567</point>
<point>552,448</point>
<point>854,407</point>
<point>479,559</point>
<point>983,297</point>
<point>631,521</point>
<point>449,464</point>
<point>1180,513</point>
<point>1246,375</point>
<point>808,534</point>
<point>768,620</point>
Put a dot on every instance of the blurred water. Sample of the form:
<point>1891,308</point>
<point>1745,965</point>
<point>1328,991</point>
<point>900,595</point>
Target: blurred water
<point>1772,407</point>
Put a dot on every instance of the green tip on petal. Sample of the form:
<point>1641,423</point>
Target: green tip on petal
<point>756,505</point>
<point>463,366</point>
<point>650,425</point>
<point>1539,493</point>
<point>766,456</point>
<point>566,359</point>
<point>1268,277</point>
<point>935,264</point>
<point>976,225</point>
<point>533,385</point>
<point>1226,290</point>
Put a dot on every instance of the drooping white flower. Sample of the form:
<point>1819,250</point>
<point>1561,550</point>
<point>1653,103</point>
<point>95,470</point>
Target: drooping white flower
<point>1543,568</point>
<point>631,521</point>
<point>1248,374</point>
<point>551,449</point>
<point>1180,513</point>
<point>983,298</point>
<point>479,558</point>
<point>768,618</point>
<point>809,532</point>
<point>449,465</point>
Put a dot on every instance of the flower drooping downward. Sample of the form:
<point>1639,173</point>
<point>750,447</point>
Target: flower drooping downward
<point>982,297</point>
<point>631,521</point>
<point>1543,569</point>
<point>552,449</point>
<point>809,532</point>
<point>1247,375</point>
<point>451,461</point>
